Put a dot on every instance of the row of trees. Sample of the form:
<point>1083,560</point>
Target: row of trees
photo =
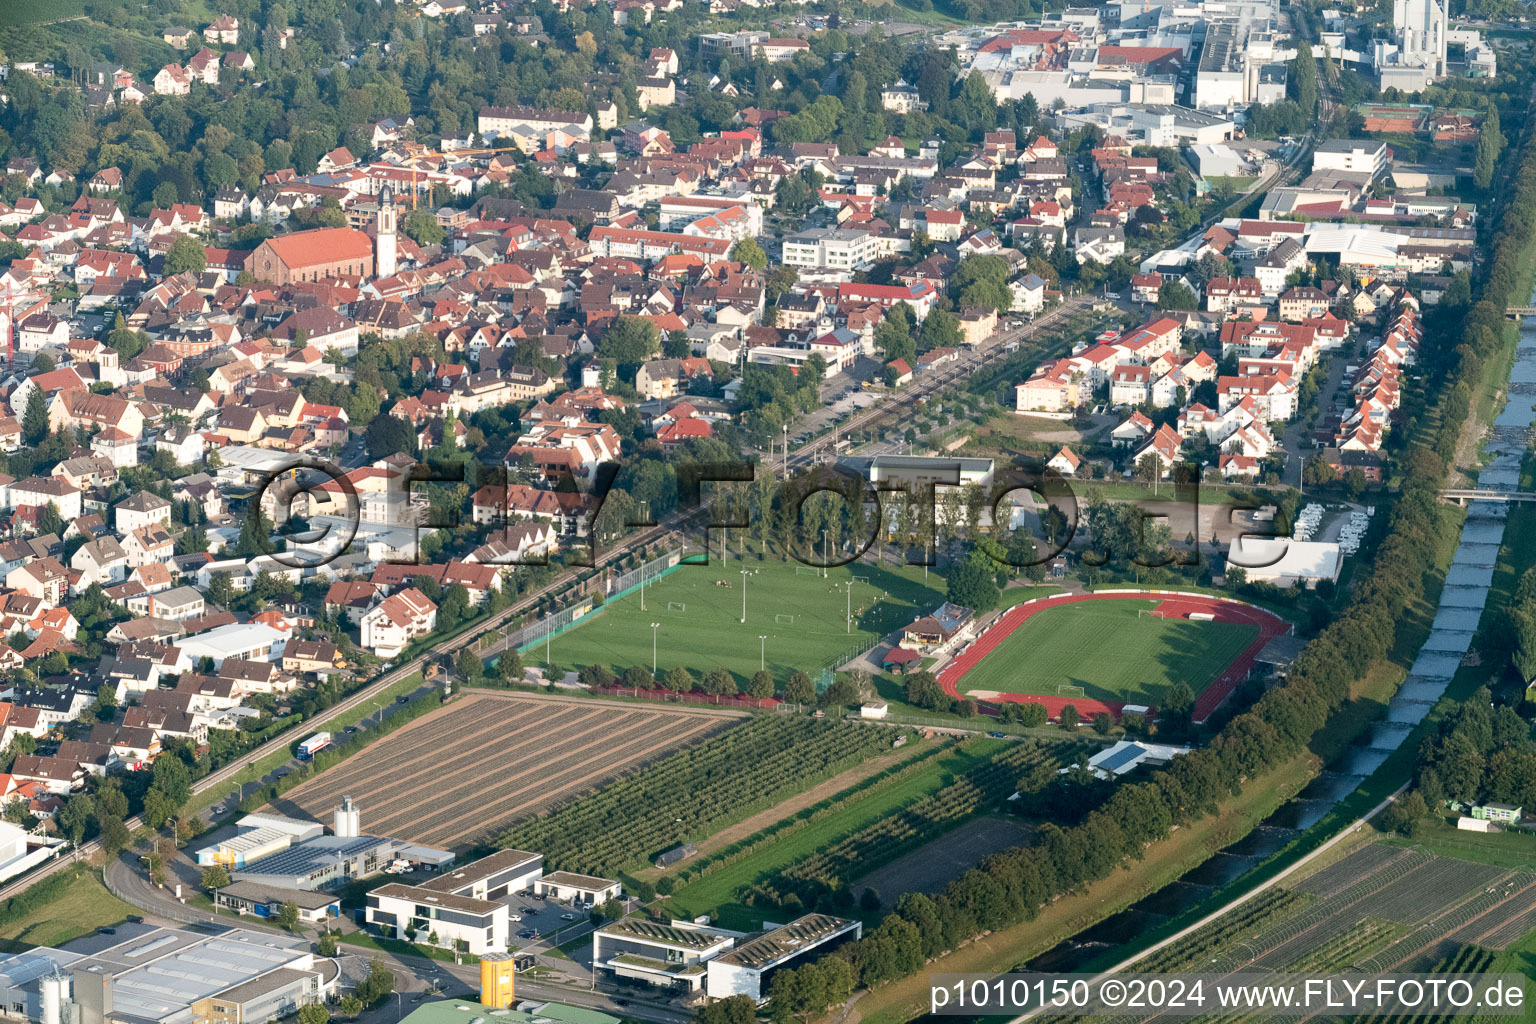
<point>1012,886</point>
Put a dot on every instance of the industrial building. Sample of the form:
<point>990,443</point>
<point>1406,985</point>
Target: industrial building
<point>1285,563</point>
<point>143,973</point>
<point>894,471</point>
<point>20,850</point>
<point>1128,755</point>
<point>290,853</point>
<point>670,956</point>
<point>747,969</point>
<point>259,835</point>
<point>251,641</point>
<point>461,904</point>
<point>323,861</point>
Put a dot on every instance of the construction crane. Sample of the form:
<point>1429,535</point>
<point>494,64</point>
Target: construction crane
<point>456,152</point>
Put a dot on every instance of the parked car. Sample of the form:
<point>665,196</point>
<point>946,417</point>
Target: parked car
<point>567,917</point>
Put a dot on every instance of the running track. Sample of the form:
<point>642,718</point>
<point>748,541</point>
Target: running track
<point>1171,604</point>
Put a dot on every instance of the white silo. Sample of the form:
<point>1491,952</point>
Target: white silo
<point>348,819</point>
<point>53,992</point>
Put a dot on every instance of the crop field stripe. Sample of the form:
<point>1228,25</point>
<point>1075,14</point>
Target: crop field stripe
<point>1461,899</point>
<point>508,783</point>
<point>859,812</point>
<point>1171,605</point>
<point>445,750</point>
<point>449,774</point>
<point>602,748</point>
<point>1475,930</point>
<point>425,746</point>
<point>694,791</point>
<point>633,741</point>
<point>497,775</point>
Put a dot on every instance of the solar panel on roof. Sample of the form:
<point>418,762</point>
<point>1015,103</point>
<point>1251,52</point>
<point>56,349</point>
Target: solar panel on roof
<point>1121,758</point>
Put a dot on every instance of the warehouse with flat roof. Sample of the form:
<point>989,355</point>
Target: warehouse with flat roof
<point>746,970</point>
<point>669,956</point>
<point>143,973</point>
<point>266,901</point>
<point>322,861</point>
<point>1285,562</point>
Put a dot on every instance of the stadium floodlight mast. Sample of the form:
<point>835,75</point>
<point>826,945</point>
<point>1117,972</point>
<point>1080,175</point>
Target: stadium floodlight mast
<point>823,554</point>
<point>744,597</point>
<point>848,616</point>
<point>645,507</point>
<point>762,652</point>
<point>654,627</point>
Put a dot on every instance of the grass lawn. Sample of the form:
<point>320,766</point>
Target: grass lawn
<point>1110,651</point>
<point>716,891</point>
<point>801,615</point>
<point>400,947</point>
<point>83,905</point>
<point>1501,849</point>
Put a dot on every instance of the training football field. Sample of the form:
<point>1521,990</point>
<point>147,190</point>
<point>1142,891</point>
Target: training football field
<point>1110,650</point>
<point>698,611</point>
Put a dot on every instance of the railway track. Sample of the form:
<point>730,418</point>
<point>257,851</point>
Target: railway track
<point>897,403</point>
<point>809,454</point>
<point>230,772</point>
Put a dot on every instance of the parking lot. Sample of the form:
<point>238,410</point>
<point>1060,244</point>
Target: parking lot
<point>543,920</point>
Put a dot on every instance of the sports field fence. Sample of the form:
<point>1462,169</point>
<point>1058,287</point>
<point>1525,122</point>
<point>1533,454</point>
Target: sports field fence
<point>582,603</point>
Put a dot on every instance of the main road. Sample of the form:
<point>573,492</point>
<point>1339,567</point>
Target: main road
<point>415,975</point>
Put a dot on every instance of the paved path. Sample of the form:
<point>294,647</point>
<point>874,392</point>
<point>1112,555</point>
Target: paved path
<point>1297,436</point>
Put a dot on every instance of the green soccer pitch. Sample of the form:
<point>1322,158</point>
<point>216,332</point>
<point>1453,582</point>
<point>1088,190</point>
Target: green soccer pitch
<point>1111,649</point>
<point>801,614</point>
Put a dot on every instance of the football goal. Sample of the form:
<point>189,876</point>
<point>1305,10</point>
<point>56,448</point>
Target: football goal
<point>784,620</point>
<point>1068,690</point>
<point>806,570</point>
<point>677,606</point>
<point>861,579</point>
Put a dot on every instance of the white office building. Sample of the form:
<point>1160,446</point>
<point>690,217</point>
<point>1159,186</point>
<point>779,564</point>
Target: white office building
<point>439,918</point>
<point>747,969</point>
<point>668,956</point>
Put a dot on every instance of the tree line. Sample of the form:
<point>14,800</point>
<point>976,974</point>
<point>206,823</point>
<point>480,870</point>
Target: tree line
<point>1011,887</point>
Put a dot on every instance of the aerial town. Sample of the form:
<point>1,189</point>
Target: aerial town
<point>412,410</point>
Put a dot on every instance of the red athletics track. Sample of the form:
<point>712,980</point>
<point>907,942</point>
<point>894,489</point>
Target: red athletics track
<point>1171,604</point>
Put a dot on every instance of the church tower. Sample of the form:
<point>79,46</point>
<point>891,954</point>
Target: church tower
<point>384,257</point>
